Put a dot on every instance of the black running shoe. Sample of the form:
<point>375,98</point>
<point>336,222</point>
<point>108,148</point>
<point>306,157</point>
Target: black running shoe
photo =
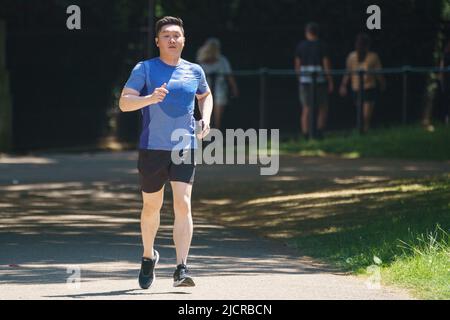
<point>147,274</point>
<point>181,277</point>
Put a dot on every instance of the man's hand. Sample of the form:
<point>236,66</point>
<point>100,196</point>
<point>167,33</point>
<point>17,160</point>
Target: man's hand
<point>204,125</point>
<point>205,105</point>
<point>159,94</point>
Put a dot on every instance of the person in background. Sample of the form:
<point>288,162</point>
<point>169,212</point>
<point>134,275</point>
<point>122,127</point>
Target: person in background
<point>363,59</point>
<point>218,74</point>
<point>311,55</point>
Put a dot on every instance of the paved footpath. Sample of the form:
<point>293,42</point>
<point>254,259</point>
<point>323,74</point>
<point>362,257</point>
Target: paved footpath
<point>70,213</point>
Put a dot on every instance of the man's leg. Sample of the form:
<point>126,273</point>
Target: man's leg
<point>322,118</point>
<point>182,232</point>
<point>183,225</point>
<point>367,114</point>
<point>305,120</point>
<point>305,101</point>
<point>152,203</point>
<point>322,114</point>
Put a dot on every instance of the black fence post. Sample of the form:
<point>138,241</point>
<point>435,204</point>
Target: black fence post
<point>405,73</point>
<point>360,107</point>
<point>312,113</point>
<point>262,97</point>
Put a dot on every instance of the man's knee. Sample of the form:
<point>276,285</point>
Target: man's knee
<point>151,207</point>
<point>182,205</point>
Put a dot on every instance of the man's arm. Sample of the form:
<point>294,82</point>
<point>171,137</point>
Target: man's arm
<point>345,78</point>
<point>297,65</point>
<point>205,105</point>
<point>233,86</point>
<point>327,68</point>
<point>131,101</point>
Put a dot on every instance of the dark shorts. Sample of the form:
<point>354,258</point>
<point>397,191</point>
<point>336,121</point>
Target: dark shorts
<point>306,95</point>
<point>156,168</point>
<point>370,96</point>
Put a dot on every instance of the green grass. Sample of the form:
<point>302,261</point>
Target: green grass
<point>409,142</point>
<point>425,265</point>
<point>409,235</point>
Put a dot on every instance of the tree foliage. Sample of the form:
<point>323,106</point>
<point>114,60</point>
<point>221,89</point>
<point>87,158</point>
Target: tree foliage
<point>85,68</point>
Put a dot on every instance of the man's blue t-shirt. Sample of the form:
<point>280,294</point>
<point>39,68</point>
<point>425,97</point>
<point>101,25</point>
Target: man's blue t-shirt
<point>176,111</point>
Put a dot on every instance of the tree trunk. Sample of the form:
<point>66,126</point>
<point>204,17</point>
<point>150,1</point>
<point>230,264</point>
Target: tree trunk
<point>5,97</point>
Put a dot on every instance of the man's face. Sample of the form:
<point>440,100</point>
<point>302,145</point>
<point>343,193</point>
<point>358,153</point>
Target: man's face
<point>310,36</point>
<point>170,40</point>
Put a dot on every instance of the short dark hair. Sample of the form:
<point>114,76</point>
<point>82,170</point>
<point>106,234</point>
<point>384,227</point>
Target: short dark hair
<point>168,20</point>
<point>313,28</point>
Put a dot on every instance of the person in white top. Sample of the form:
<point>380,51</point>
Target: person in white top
<point>219,76</point>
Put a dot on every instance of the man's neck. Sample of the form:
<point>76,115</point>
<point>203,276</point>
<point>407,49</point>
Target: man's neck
<point>172,61</point>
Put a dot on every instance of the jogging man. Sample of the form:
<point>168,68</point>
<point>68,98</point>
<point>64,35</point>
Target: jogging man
<point>164,90</point>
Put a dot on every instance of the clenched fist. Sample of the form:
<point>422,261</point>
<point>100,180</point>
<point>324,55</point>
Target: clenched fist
<point>159,94</point>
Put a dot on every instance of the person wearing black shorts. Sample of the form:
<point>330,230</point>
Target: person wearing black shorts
<point>311,55</point>
<point>164,90</point>
<point>363,59</point>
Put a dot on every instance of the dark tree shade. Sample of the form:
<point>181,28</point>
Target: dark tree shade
<point>63,82</point>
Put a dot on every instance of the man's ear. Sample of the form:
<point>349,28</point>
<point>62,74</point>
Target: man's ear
<point>156,42</point>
